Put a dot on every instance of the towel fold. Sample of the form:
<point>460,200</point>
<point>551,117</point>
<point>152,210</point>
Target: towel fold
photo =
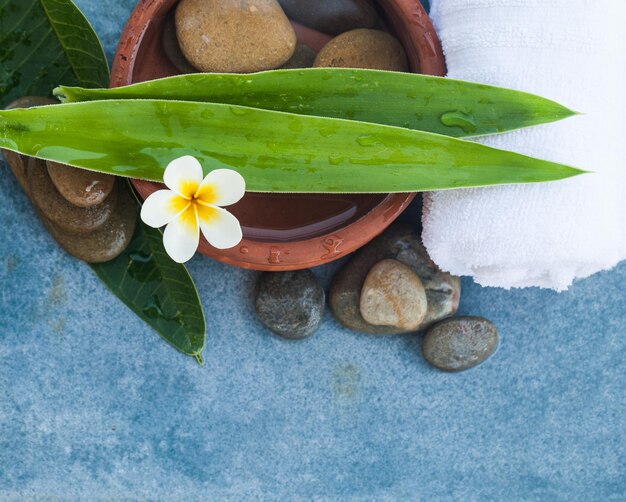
<point>547,235</point>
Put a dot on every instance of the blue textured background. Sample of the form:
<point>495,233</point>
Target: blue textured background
<point>93,405</point>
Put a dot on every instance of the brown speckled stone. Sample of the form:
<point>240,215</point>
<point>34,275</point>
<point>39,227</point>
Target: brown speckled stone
<point>80,187</point>
<point>460,343</point>
<point>110,240</point>
<point>67,216</point>
<point>332,17</point>
<point>237,36</point>
<point>363,48</point>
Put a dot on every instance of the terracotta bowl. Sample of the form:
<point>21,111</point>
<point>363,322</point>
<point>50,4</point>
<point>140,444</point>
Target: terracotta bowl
<point>281,231</point>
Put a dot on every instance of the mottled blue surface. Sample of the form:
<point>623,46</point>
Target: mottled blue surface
<point>94,406</point>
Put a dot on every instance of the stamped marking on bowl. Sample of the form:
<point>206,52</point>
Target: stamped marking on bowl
<point>331,244</point>
<point>417,15</point>
<point>430,44</point>
<point>274,255</point>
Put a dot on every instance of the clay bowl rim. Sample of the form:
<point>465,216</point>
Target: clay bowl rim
<point>410,22</point>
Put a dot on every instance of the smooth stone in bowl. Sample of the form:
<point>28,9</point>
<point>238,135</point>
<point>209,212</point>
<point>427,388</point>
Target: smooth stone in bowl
<point>234,36</point>
<point>372,49</point>
<point>70,218</point>
<point>460,343</point>
<point>303,57</point>
<point>172,49</point>
<point>332,17</point>
<point>110,240</point>
<point>80,187</point>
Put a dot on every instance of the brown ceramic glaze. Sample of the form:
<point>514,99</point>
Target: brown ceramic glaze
<point>283,231</point>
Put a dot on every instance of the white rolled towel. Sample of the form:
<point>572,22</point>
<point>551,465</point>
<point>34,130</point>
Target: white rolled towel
<point>546,235</point>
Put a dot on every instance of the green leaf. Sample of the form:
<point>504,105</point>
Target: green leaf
<point>274,151</point>
<point>158,290</point>
<point>48,42</point>
<point>44,43</point>
<point>434,104</point>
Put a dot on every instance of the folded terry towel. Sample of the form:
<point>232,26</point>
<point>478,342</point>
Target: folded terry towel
<point>547,235</point>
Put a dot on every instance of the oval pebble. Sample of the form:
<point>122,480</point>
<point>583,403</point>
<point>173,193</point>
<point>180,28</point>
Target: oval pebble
<point>303,57</point>
<point>373,49</point>
<point>172,49</point>
<point>62,213</point>
<point>234,36</point>
<point>291,304</point>
<point>109,241</point>
<point>460,343</point>
<point>80,187</point>
<point>332,17</point>
<point>393,295</point>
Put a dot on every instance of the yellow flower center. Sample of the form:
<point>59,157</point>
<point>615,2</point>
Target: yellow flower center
<point>197,206</point>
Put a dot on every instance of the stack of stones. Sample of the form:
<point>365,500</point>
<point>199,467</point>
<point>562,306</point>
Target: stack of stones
<point>91,215</point>
<point>390,287</point>
<point>234,36</point>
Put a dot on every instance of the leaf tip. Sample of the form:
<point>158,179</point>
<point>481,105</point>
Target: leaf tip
<point>61,93</point>
<point>198,357</point>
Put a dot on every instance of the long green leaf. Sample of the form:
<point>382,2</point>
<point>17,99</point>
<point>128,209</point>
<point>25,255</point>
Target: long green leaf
<point>44,43</point>
<point>434,104</point>
<point>158,290</point>
<point>274,151</point>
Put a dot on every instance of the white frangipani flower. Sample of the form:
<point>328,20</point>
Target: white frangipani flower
<point>192,204</point>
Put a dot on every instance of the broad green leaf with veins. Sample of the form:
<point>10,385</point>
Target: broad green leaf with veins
<point>45,43</point>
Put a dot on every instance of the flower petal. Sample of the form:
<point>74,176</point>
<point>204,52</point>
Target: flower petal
<point>219,227</point>
<point>184,176</point>
<point>222,187</point>
<point>162,207</point>
<point>182,236</point>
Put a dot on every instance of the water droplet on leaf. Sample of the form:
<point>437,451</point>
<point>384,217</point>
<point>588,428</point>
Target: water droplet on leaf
<point>465,121</point>
<point>368,140</point>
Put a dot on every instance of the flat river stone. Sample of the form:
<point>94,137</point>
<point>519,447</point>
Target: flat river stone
<point>172,47</point>
<point>70,218</point>
<point>238,36</point>
<point>399,242</point>
<point>303,57</point>
<point>332,17</point>
<point>460,343</point>
<point>80,187</point>
<point>110,240</point>
<point>393,295</point>
<point>291,304</point>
